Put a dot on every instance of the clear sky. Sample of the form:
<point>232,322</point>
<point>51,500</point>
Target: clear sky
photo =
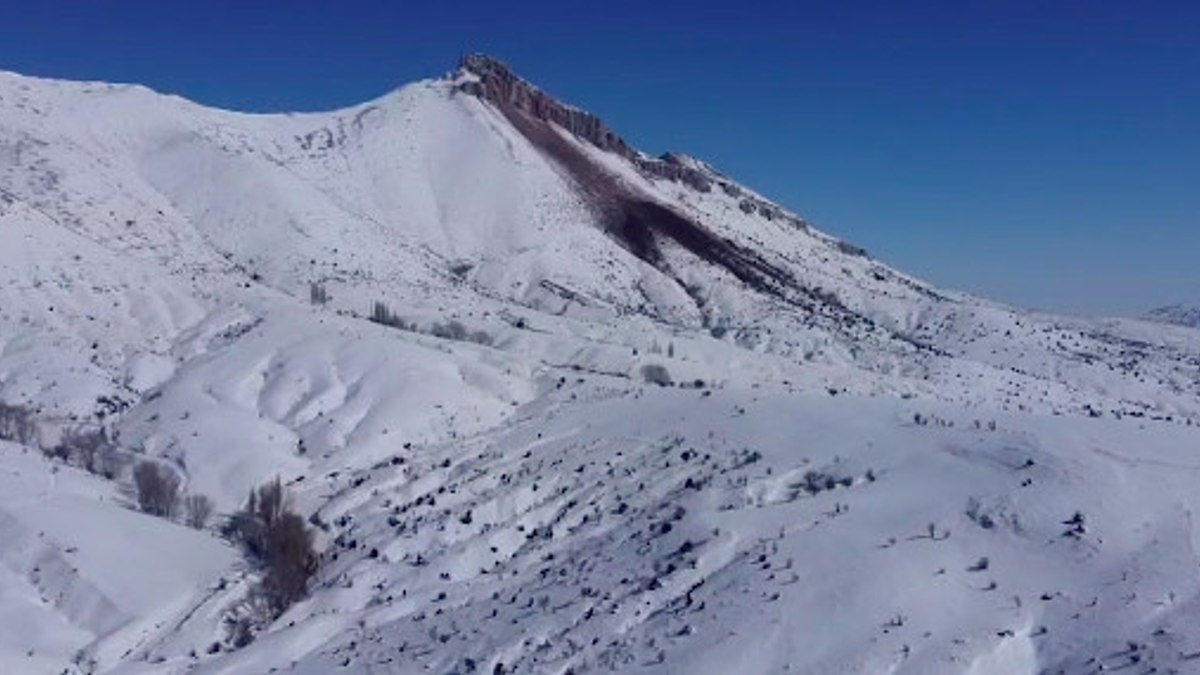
<point>1042,153</point>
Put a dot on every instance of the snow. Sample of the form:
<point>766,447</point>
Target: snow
<point>84,574</point>
<point>885,483</point>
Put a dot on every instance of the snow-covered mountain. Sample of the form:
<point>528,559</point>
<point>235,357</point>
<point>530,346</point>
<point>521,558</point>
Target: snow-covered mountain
<point>552,404</point>
<point>1180,315</point>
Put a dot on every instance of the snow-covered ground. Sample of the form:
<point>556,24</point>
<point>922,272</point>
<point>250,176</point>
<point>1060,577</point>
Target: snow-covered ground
<point>851,472</point>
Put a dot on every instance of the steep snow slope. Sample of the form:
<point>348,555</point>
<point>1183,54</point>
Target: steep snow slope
<point>847,445</point>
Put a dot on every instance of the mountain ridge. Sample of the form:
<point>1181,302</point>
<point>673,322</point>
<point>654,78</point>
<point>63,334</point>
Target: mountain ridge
<point>498,84</point>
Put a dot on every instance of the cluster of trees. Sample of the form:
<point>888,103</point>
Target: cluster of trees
<point>273,535</point>
<point>159,494</point>
<point>94,450</point>
<point>91,449</point>
<point>454,330</point>
<point>280,540</point>
<point>383,315</point>
<point>450,330</point>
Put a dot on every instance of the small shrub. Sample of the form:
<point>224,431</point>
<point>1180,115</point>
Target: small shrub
<point>157,489</point>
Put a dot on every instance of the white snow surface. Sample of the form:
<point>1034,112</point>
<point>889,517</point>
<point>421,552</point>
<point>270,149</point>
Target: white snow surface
<point>915,481</point>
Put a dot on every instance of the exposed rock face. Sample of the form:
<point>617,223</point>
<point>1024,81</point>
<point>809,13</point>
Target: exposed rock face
<point>498,85</point>
<point>641,225</point>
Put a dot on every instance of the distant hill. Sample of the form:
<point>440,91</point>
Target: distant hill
<point>1180,315</point>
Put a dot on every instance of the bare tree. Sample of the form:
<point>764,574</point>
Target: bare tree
<point>382,315</point>
<point>270,504</point>
<point>290,562</point>
<point>197,510</point>
<point>16,424</point>
<point>279,539</point>
<point>157,489</point>
<point>252,525</point>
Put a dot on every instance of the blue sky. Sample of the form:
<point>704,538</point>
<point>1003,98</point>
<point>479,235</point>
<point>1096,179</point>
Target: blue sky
<point>1042,153</point>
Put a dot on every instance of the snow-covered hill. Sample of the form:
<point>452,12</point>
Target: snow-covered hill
<point>852,470</point>
<point>1180,315</point>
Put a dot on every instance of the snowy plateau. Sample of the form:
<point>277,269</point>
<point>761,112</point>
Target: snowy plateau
<point>551,405</point>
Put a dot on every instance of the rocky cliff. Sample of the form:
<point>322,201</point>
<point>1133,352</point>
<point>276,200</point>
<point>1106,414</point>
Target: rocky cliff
<point>496,83</point>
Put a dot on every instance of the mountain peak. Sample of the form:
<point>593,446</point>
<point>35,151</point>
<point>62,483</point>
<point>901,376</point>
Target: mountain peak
<point>496,83</point>
<point>500,86</point>
<point>485,65</point>
<point>1180,315</point>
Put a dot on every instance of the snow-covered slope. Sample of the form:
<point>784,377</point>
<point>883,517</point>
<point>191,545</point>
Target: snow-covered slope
<point>501,487</point>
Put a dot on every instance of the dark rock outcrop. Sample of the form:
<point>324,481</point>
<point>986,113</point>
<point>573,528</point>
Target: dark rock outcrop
<point>498,85</point>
